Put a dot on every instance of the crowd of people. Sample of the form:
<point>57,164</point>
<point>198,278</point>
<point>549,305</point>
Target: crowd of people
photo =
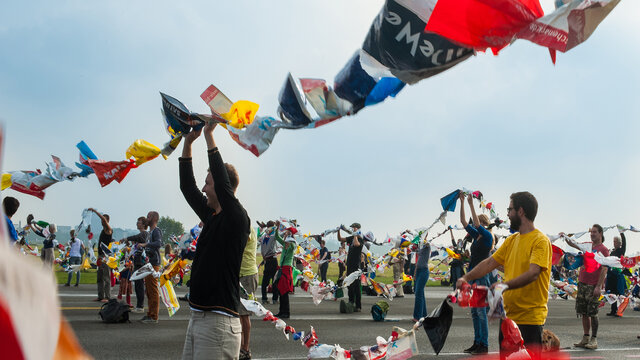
<point>224,267</point>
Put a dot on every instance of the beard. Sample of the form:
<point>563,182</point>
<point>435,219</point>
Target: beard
<point>515,223</point>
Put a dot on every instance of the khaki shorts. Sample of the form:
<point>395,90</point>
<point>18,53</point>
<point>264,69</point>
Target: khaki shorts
<point>586,303</point>
<point>250,283</point>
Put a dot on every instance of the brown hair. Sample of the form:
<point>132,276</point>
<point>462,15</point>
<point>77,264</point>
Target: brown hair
<point>234,180</point>
<point>484,220</point>
<point>600,230</point>
<point>143,220</point>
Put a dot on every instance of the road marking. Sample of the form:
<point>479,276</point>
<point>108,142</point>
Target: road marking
<point>492,352</point>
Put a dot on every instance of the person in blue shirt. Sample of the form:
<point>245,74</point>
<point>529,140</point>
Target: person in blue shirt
<point>10,206</point>
<point>482,242</point>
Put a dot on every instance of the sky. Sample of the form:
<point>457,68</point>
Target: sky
<point>92,71</point>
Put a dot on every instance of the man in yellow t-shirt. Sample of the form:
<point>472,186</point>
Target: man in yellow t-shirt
<point>249,281</point>
<point>526,258</point>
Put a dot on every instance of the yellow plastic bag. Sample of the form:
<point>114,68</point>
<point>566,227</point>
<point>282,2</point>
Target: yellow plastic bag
<point>241,113</point>
<point>112,262</point>
<point>6,181</point>
<point>85,264</point>
<point>142,151</point>
<point>452,253</point>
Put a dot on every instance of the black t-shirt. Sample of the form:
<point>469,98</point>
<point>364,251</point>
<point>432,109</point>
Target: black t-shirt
<point>105,239</point>
<point>323,251</point>
<point>353,256</point>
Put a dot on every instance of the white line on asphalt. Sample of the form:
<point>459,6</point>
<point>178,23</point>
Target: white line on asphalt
<point>462,354</point>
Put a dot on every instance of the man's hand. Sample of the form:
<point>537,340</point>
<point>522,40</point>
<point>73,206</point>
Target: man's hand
<point>470,200</point>
<point>192,136</point>
<point>597,292</point>
<point>460,283</point>
<point>461,196</point>
<point>210,126</point>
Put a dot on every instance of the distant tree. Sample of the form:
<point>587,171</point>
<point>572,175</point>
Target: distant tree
<point>170,227</point>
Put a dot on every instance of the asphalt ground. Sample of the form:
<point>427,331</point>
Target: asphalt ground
<point>617,337</point>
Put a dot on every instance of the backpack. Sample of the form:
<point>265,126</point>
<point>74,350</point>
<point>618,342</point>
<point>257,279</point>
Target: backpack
<point>346,307</point>
<point>114,312</point>
<point>379,310</point>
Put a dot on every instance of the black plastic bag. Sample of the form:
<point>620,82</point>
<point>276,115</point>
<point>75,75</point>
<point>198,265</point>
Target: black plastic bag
<point>437,325</point>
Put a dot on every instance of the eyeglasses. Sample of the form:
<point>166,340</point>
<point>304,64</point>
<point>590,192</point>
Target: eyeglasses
<point>509,209</point>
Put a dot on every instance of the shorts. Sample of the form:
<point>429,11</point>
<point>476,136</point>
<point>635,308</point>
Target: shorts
<point>250,284</point>
<point>586,303</point>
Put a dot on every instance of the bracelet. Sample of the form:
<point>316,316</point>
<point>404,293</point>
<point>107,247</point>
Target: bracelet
<point>213,150</point>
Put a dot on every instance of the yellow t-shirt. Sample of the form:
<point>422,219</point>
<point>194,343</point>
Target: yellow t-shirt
<point>248,266</point>
<point>526,305</point>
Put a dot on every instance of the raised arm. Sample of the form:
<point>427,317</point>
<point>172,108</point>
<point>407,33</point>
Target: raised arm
<point>355,242</point>
<point>276,234</point>
<point>453,239</point>
<point>476,222</point>
<point>224,191</point>
<point>463,219</point>
<point>340,238</point>
<point>105,224</point>
<point>624,243</point>
<point>196,200</point>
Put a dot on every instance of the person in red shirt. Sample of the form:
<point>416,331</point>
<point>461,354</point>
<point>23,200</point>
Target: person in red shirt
<point>589,291</point>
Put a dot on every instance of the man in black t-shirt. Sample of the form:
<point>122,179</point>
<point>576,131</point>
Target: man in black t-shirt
<point>353,264</point>
<point>104,272</point>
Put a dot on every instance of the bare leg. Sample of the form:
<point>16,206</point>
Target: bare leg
<point>594,326</point>
<point>245,321</point>
<point>586,324</point>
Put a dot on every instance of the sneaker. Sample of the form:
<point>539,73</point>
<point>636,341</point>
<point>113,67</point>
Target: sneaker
<point>67,285</point>
<point>583,342</point>
<point>593,344</point>
<point>480,350</point>
<point>244,355</point>
<point>138,310</point>
<point>357,310</point>
<point>76,285</point>
<point>274,302</point>
<point>282,316</point>
<point>470,349</point>
<point>104,300</point>
<point>147,320</point>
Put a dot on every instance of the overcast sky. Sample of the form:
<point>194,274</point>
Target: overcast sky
<point>92,71</point>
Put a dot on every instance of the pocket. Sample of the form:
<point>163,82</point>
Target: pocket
<point>236,328</point>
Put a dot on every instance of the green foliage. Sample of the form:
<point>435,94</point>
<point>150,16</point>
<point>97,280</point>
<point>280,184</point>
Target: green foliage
<point>170,227</point>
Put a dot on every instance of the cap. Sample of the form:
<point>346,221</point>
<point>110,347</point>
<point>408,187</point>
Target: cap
<point>355,225</point>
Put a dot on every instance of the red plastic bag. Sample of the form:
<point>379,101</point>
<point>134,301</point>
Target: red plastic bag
<point>479,296</point>
<point>482,24</point>
<point>464,295</point>
<point>622,307</point>
<point>511,337</point>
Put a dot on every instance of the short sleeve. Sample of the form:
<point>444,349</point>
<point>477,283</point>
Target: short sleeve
<point>541,253</point>
<point>501,254</point>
